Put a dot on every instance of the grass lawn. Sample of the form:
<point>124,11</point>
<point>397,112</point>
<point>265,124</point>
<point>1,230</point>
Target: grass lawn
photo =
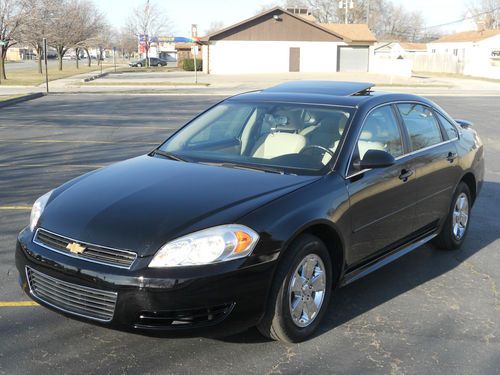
<point>31,77</point>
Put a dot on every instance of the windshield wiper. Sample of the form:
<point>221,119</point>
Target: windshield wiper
<point>168,155</point>
<point>248,167</point>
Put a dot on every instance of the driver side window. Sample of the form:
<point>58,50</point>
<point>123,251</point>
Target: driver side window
<point>380,132</point>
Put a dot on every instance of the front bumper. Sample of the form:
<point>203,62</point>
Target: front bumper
<point>209,300</point>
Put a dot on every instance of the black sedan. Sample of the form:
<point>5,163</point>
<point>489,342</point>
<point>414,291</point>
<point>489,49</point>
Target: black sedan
<point>153,61</point>
<point>254,211</point>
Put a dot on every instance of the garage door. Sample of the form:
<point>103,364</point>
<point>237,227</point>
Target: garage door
<point>353,59</point>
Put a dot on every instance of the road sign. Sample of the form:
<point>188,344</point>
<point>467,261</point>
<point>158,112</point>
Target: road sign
<point>195,50</point>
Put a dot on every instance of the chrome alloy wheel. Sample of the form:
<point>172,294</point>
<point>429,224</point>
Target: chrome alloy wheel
<point>460,216</point>
<point>306,291</point>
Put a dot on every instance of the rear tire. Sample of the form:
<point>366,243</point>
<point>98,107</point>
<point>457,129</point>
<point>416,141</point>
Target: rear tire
<point>457,222</point>
<point>300,293</point>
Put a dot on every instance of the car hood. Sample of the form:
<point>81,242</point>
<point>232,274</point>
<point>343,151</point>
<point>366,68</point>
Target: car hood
<point>142,203</point>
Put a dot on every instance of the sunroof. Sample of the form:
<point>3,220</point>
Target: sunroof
<point>323,87</point>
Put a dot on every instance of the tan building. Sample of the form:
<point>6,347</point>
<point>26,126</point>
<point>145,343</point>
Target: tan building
<point>279,41</point>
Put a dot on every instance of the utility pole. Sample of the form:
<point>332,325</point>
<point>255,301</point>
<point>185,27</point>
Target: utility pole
<point>368,13</point>
<point>46,70</point>
<point>346,5</point>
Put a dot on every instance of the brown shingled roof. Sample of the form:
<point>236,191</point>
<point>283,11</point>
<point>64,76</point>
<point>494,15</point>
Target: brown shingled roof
<point>356,32</point>
<point>414,46</point>
<point>468,36</point>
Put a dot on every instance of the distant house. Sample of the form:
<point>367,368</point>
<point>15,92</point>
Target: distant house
<point>396,50</point>
<point>279,41</point>
<point>466,43</point>
<point>477,52</point>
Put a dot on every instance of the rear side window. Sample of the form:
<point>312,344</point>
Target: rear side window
<point>450,129</point>
<point>380,132</point>
<point>421,124</point>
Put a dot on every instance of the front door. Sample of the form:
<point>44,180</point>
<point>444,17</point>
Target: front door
<point>294,59</point>
<point>382,200</point>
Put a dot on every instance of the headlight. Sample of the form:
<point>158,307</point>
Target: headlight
<point>213,245</point>
<point>37,209</point>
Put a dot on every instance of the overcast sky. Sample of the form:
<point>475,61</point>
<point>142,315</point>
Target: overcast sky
<point>203,12</point>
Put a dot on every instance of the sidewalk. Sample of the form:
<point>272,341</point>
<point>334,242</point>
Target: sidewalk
<point>182,83</point>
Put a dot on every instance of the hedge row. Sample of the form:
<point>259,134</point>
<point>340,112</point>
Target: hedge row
<point>188,64</point>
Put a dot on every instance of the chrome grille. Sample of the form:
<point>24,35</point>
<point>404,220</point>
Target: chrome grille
<point>72,298</point>
<point>94,253</point>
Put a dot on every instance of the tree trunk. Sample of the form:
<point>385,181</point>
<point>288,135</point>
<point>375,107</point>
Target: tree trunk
<point>60,57</point>
<point>39,52</point>
<point>2,63</point>
<point>88,57</point>
<point>77,51</point>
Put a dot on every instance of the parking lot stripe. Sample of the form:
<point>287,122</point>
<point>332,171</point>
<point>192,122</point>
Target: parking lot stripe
<point>66,141</point>
<point>18,303</point>
<point>17,166</point>
<point>15,207</point>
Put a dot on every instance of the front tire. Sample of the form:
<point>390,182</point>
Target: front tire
<point>455,228</point>
<point>300,293</point>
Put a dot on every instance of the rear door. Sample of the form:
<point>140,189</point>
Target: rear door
<point>382,200</point>
<point>434,154</point>
<point>294,62</point>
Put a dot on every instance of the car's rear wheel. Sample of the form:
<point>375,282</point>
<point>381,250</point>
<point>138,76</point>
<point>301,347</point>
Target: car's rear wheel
<point>300,293</point>
<point>159,65</point>
<point>455,228</point>
<point>139,65</point>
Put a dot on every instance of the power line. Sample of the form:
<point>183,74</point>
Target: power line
<point>463,19</point>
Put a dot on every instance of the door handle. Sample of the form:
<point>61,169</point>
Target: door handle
<point>451,156</point>
<point>405,174</point>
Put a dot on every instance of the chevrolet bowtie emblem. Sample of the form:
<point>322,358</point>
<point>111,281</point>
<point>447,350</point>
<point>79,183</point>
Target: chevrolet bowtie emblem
<point>75,248</point>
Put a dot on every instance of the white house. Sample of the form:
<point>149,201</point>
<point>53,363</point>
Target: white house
<point>477,51</point>
<point>279,41</point>
<point>395,50</point>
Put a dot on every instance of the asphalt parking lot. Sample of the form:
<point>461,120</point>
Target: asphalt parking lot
<point>429,312</point>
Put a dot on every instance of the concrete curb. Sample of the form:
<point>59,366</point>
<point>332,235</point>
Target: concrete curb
<point>88,79</point>
<point>21,99</point>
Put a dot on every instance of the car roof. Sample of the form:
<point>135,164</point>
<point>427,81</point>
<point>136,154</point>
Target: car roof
<point>349,94</point>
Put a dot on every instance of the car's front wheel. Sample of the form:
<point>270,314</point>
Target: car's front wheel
<point>139,65</point>
<point>300,292</point>
<point>455,228</point>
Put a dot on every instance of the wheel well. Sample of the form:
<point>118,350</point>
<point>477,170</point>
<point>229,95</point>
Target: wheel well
<point>333,243</point>
<point>470,180</point>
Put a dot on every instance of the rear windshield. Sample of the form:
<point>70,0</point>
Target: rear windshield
<point>294,138</point>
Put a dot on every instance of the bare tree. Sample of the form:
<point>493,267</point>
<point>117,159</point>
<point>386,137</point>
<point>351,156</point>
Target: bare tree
<point>90,26</point>
<point>37,25</point>
<point>384,18</point>
<point>127,42</point>
<point>213,27</point>
<point>11,19</point>
<point>62,23</point>
<point>148,21</point>
<point>487,12</point>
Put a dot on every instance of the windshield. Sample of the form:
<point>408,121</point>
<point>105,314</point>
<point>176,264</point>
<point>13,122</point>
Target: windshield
<point>292,138</point>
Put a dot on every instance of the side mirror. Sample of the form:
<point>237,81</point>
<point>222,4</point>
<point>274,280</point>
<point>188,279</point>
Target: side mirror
<point>374,159</point>
<point>463,123</point>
